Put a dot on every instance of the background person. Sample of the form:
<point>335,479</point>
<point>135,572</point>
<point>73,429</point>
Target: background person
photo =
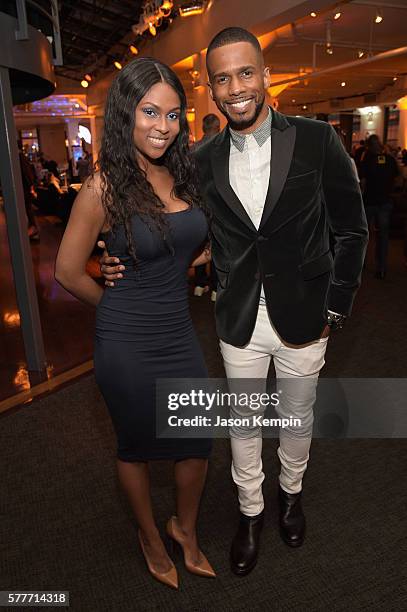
<point>210,128</point>
<point>28,179</point>
<point>378,171</point>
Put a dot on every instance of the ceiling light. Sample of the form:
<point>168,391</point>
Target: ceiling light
<point>366,110</point>
<point>360,53</point>
<point>293,100</point>
<point>343,84</point>
<point>152,28</point>
<point>337,14</point>
<point>133,49</point>
<point>187,9</point>
<point>118,65</point>
<point>313,14</point>
<point>394,78</point>
<point>76,105</point>
<point>88,77</point>
<point>329,49</point>
<point>379,16</point>
<point>84,83</point>
<point>304,106</point>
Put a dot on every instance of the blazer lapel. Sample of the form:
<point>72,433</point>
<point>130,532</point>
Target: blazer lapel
<point>282,149</point>
<point>220,169</point>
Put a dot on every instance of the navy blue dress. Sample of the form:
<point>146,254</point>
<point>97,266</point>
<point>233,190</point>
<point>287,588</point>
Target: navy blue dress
<point>144,332</point>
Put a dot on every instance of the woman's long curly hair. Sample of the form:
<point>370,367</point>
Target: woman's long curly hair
<point>125,188</point>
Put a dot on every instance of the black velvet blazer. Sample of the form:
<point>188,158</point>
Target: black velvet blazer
<point>312,189</point>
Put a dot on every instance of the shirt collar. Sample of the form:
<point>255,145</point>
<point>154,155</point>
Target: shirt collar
<point>261,134</point>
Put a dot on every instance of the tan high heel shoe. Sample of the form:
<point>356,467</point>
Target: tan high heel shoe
<point>169,578</point>
<point>204,568</point>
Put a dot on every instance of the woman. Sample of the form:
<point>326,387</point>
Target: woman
<point>146,203</point>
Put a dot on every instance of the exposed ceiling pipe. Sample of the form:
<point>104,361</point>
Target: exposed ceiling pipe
<point>379,4</point>
<point>359,62</point>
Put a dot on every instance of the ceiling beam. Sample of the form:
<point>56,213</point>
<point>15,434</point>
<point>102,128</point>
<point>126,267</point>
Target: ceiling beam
<point>101,14</point>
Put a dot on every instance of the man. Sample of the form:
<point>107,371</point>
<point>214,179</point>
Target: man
<point>359,152</point>
<point>378,171</point>
<point>210,128</point>
<point>82,168</point>
<point>276,185</point>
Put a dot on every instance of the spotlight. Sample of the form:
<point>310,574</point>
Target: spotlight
<point>304,106</point>
<point>394,78</point>
<point>361,53</point>
<point>343,84</point>
<point>329,49</point>
<point>379,16</point>
<point>313,14</point>
<point>88,77</point>
<point>84,83</point>
<point>293,100</point>
<point>118,65</point>
<point>133,49</point>
<point>337,14</point>
<point>187,9</point>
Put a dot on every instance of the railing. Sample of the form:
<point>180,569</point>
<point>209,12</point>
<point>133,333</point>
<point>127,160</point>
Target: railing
<point>43,16</point>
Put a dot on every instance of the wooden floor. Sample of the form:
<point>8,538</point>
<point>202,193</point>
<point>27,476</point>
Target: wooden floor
<point>67,324</point>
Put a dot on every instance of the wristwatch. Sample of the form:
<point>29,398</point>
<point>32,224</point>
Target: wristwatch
<point>335,320</point>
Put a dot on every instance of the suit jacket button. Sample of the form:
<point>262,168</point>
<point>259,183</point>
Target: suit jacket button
<point>257,275</point>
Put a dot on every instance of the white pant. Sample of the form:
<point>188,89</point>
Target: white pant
<point>297,400</point>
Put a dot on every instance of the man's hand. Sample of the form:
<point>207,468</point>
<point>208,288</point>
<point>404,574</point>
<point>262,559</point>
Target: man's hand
<point>109,267</point>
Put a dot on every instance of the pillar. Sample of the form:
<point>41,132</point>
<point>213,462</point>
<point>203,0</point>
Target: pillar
<point>203,103</point>
<point>20,251</point>
<point>402,133</point>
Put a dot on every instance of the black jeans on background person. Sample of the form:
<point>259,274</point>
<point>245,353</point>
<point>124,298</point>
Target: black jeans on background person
<point>202,279</point>
<point>380,215</point>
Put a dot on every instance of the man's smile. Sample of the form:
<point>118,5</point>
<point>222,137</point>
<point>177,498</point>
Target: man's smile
<point>239,105</point>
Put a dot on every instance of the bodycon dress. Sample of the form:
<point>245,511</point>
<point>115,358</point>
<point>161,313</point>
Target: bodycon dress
<point>144,332</point>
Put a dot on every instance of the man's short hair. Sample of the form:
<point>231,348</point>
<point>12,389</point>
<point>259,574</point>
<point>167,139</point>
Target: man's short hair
<point>228,36</point>
<point>209,121</point>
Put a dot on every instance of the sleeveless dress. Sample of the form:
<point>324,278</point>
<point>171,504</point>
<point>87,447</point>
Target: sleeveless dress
<point>144,332</point>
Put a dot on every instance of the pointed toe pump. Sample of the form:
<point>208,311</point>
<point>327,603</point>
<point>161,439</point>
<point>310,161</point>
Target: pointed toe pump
<point>169,578</point>
<point>203,568</point>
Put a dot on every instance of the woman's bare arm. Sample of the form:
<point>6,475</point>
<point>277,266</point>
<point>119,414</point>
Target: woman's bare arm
<point>85,223</point>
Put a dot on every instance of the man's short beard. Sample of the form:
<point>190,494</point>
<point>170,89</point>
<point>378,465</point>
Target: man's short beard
<point>243,125</point>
